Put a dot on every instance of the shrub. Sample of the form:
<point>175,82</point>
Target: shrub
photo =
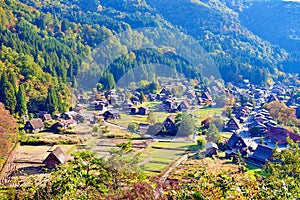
<point>201,142</point>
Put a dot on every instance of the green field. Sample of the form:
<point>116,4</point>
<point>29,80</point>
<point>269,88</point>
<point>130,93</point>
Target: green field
<point>202,114</point>
<point>159,155</point>
<point>127,118</point>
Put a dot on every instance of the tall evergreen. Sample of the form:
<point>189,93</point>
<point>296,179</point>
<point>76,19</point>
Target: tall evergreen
<point>51,101</point>
<point>7,92</point>
<point>21,106</point>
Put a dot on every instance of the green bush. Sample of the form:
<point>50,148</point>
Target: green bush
<point>201,142</point>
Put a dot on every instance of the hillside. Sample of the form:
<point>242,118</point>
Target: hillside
<point>44,45</point>
<point>217,27</point>
<point>276,22</point>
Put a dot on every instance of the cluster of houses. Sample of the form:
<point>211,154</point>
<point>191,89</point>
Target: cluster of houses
<point>172,105</point>
<point>64,120</point>
<point>255,132</point>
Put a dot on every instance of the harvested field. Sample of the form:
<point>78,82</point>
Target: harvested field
<point>28,160</point>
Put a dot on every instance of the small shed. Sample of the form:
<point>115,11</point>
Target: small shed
<point>211,149</point>
<point>133,110</point>
<point>143,110</point>
<point>111,114</point>
<point>56,157</point>
<point>46,117</point>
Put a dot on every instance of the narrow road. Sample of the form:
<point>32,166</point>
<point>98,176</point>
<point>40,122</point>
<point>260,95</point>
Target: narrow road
<point>173,166</point>
<point>114,125</point>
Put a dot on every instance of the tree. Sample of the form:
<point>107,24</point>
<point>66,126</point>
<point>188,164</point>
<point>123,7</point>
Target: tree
<point>284,172</point>
<point>281,112</point>
<point>201,142</point>
<point>7,91</point>
<point>65,25</point>
<point>186,126</point>
<point>132,127</point>
<point>108,81</point>
<point>99,86</point>
<point>153,87</point>
<point>229,112</point>
<point>218,122</point>
<point>213,134</point>
<point>9,133</point>
<point>51,101</point>
<point>151,118</point>
<point>90,5</point>
<point>21,107</point>
<point>220,101</point>
<point>142,97</point>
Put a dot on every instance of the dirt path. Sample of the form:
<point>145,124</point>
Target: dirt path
<point>9,168</point>
<point>166,174</point>
<point>114,125</point>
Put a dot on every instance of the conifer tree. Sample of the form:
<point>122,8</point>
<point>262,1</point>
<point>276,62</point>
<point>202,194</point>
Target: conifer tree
<point>7,93</point>
<point>51,101</point>
<point>21,106</point>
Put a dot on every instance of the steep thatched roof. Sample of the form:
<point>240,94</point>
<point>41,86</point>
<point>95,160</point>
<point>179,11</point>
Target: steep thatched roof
<point>36,123</point>
<point>59,154</point>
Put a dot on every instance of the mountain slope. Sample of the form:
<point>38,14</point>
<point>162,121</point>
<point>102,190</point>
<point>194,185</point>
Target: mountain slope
<point>274,21</point>
<point>43,44</point>
<point>218,28</point>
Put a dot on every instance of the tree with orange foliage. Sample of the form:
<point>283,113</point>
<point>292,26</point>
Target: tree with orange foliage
<point>281,112</point>
<point>8,133</point>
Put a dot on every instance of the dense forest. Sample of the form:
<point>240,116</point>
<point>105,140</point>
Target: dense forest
<point>48,47</point>
<point>274,21</point>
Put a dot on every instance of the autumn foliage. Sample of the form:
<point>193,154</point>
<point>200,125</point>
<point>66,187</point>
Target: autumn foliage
<point>8,133</point>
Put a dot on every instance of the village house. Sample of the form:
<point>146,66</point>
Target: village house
<point>62,124</point>
<point>184,106</point>
<point>82,100</point>
<point>34,125</point>
<point>257,129</point>
<point>111,114</point>
<point>164,94</point>
<point>233,124</point>
<point>170,126</point>
<point>206,96</point>
<point>262,154</point>
<point>139,111</point>
<point>143,110</point>
<point>279,135</point>
<point>133,111</point>
<point>199,101</point>
<point>126,105</point>
<point>99,105</point>
<point>56,157</point>
<point>190,94</point>
<point>236,144</point>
